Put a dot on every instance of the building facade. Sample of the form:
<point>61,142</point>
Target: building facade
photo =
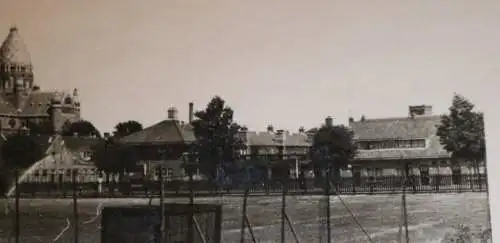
<point>388,145</point>
<point>21,99</point>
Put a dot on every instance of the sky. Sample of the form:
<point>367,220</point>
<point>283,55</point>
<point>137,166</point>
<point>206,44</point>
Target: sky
<point>288,63</point>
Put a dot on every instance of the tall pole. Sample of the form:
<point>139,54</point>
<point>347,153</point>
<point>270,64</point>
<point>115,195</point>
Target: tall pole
<point>283,194</point>
<point>75,208</point>
<point>405,211</point>
<point>162,196</point>
<point>18,227</point>
<point>327,191</point>
<point>192,207</point>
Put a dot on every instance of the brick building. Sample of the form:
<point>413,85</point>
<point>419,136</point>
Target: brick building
<point>21,99</point>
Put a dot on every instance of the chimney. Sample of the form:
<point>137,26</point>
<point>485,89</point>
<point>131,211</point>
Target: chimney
<point>351,119</point>
<point>302,130</point>
<point>270,128</point>
<point>172,113</point>
<point>419,110</point>
<point>190,119</point>
<point>328,121</point>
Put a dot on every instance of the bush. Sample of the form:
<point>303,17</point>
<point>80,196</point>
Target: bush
<point>464,234</point>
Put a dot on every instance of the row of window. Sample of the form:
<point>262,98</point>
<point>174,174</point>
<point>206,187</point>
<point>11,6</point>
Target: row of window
<point>14,68</point>
<point>67,172</point>
<point>391,144</point>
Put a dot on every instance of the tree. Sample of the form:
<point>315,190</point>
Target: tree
<point>461,132</point>
<point>123,129</point>
<point>81,128</point>
<point>20,151</point>
<point>44,127</point>
<point>333,148</point>
<point>111,157</point>
<point>217,141</point>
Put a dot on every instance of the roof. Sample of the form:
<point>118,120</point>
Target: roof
<point>422,127</point>
<point>13,49</point>
<point>164,132</point>
<point>36,104</point>
<point>395,128</point>
<point>272,139</point>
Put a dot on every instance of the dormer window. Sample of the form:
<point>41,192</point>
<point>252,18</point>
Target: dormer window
<point>68,101</point>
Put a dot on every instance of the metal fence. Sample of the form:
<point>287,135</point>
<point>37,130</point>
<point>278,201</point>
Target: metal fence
<point>80,224</point>
<point>386,184</point>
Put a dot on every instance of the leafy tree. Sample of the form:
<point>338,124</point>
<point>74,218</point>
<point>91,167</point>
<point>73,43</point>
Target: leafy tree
<point>217,140</point>
<point>332,148</point>
<point>461,132</point>
<point>111,157</point>
<point>20,151</point>
<point>82,128</point>
<point>123,129</point>
<point>42,128</point>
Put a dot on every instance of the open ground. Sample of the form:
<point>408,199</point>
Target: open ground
<point>430,217</point>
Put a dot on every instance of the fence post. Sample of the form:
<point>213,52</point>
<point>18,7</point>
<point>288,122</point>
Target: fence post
<point>283,209</point>
<point>75,207</point>
<point>18,226</point>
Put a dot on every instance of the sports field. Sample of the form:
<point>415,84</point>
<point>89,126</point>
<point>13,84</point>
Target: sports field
<point>430,217</point>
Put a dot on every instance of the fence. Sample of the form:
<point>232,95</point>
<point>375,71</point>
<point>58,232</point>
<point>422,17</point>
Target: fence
<point>387,184</point>
<point>80,221</point>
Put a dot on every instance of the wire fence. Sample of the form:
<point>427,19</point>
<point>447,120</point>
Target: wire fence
<point>77,220</point>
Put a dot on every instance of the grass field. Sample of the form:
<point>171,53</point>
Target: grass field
<point>430,217</point>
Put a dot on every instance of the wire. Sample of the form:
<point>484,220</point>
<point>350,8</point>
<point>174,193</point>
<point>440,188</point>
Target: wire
<point>352,215</point>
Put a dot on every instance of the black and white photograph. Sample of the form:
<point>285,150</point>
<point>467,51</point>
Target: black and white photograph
<point>230,121</point>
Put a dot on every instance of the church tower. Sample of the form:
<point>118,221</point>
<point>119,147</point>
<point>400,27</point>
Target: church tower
<point>16,70</point>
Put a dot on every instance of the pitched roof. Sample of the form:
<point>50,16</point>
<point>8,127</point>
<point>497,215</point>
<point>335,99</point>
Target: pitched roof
<point>38,103</point>
<point>395,128</point>
<point>423,127</point>
<point>164,132</point>
<point>13,49</point>
<point>272,139</point>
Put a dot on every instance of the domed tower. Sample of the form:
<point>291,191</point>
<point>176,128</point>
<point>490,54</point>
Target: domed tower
<point>16,70</point>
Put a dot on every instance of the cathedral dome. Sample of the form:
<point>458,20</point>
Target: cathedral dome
<point>13,51</point>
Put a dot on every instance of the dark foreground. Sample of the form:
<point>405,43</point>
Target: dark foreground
<point>430,217</point>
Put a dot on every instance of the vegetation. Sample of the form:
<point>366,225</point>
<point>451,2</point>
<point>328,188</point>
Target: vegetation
<point>217,140</point>
<point>44,127</point>
<point>81,128</point>
<point>20,151</point>
<point>123,129</point>
<point>332,148</point>
<point>461,132</point>
<point>111,157</point>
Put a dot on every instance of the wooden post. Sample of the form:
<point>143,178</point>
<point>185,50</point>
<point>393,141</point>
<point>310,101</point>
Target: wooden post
<point>162,205</point>
<point>192,206</point>
<point>327,192</point>
<point>283,209</point>
<point>18,225</point>
<point>243,216</point>
<point>405,212</point>
<point>75,208</point>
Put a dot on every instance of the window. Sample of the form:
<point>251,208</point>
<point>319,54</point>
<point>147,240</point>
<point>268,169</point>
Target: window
<point>170,173</point>
<point>44,172</point>
<point>37,173</point>
<point>379,172</point>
